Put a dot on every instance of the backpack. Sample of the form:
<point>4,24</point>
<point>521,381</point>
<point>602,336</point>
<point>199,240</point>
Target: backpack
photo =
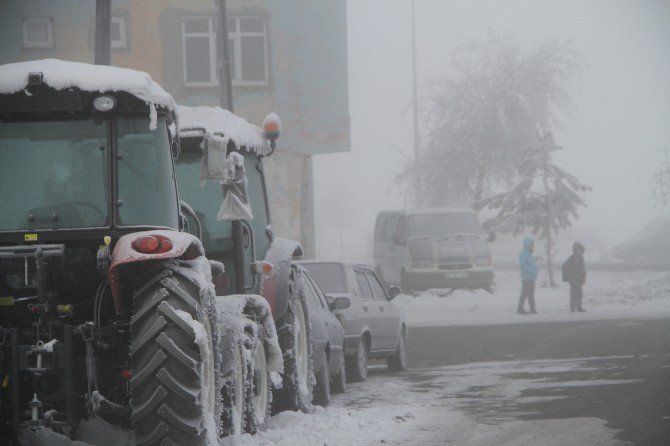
<point>565,269</point>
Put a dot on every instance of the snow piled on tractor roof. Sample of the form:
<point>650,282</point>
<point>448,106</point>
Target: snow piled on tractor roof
<point>218,121</point>
<point>60,74</point>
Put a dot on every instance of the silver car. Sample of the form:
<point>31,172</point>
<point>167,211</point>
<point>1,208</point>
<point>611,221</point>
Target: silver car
<point>374,328</point>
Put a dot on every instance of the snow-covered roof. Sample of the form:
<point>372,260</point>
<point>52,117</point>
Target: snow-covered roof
<point>60,74</point>
<point>217,121</point>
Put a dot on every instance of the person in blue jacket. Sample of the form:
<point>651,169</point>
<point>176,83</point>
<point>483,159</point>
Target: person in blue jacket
<point>528,276</point>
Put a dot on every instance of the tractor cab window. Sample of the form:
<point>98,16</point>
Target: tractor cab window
<point>53,175</point>
<point>146,192</point>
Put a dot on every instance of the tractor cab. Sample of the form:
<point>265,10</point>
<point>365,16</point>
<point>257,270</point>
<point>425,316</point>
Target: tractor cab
<point>220,174</point>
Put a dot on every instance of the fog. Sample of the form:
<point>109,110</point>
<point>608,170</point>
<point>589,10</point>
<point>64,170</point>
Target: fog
<point>612,139</point>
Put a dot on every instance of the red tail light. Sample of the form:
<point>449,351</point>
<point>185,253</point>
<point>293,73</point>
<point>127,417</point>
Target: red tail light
<point>152,244</point>
<point>126,374</point>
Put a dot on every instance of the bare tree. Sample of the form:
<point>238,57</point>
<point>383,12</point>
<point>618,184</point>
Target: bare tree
<point>544,200</point>
<point>480,120</point>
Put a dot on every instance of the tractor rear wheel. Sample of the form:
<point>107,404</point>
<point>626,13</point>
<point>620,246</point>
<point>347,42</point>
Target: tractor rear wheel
<point>173,384</point>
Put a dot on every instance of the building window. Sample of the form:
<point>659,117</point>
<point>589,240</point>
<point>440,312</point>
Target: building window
<point>247,38</point>
<point>38,32</point>
<point>118,33</point>
<point>199,41</point>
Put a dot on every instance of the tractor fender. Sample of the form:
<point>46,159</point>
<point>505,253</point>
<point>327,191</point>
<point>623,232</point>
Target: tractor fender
<point>184,246</point>
<point>275,285</point>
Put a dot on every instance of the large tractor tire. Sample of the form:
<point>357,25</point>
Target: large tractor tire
<point>258,389</point>
<point>293,330</point>
<point>233,395</point>
<point>174,383</point>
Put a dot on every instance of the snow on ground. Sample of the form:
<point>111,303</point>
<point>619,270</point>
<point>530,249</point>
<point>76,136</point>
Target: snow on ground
<point>607,295</point>
<point>427,407</point>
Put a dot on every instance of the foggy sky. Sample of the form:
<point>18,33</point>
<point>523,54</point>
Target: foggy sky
<point>612,139</point>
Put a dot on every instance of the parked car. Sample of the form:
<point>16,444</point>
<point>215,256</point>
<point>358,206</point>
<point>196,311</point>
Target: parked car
<point>420,249</point>
<point>374,328</point>
<point>327,336</point>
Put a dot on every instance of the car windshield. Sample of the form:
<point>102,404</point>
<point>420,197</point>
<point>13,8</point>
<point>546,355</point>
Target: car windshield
<point>53,175</point>
<point>443,225</point>
<point>329,276</point>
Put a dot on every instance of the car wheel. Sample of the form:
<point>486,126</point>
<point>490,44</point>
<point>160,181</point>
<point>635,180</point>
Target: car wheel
<point>340,380</point>
<point>398,362</point>
<point>357,364</point>
<point>322,386</point>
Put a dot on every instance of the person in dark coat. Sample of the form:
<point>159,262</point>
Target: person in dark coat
<point>574,272</point>
<point>528,275</point>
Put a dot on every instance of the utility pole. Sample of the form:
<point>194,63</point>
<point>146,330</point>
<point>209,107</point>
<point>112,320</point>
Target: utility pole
<point>225,78</point>
<point>415,112</point>
<point>103,41</point>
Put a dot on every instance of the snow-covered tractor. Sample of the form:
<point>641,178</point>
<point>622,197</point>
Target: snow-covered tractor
<point>220,173</point>
<point>107,302</point>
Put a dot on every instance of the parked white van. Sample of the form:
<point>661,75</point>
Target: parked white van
<point>422,249</point>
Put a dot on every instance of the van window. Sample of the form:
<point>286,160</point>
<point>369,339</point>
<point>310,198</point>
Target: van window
<point>443,225</point>
<point>364,285</point>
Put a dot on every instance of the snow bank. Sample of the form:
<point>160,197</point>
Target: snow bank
<point>217,121</point>
<point>60,74</point>
<point>607,295</point>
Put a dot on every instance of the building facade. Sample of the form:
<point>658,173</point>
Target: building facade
<point>286,56</point>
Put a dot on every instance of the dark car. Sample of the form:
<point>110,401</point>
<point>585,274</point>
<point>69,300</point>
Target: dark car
<point>327,337</point>
<point>374,328</point>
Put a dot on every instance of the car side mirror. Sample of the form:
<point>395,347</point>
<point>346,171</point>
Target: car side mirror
<point>338,303</point>
<point>492,237</point>
<point>393,292</point>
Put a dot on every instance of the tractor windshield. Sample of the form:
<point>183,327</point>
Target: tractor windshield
<point>56,175</point>
<point>146,190</point>
<point>53,175</point>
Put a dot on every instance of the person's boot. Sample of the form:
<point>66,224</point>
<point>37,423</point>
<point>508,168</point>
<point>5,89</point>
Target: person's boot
<point>581,310</point>
<point>521,311</point>
<point>532,311</point>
